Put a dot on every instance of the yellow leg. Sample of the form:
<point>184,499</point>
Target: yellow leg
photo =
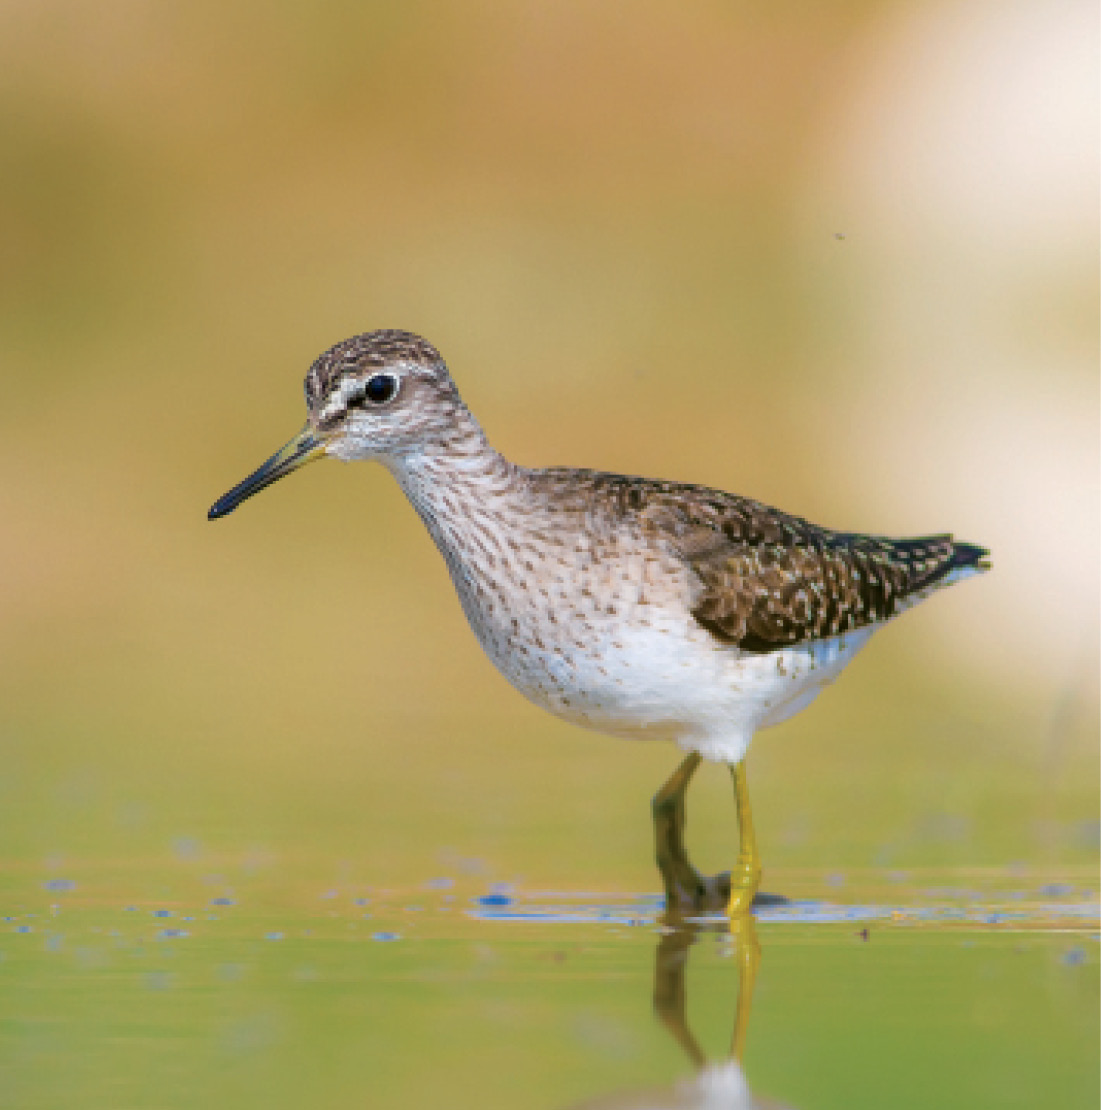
<point>745,877</point>
<point>668,810</point>
<point>686,890</point>
<point>747,951</point>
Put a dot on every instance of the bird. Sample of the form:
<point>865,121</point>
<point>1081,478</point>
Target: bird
<point>636,607</point>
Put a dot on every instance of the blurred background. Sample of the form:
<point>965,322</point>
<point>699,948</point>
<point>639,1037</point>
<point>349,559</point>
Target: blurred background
<point>841,258</point>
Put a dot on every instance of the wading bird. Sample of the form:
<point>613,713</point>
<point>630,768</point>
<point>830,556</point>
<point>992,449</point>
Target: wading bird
<point>640,608</point>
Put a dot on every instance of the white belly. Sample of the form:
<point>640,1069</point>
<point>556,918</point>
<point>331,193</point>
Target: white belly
<point>611,644</point>
<point>666,678</point>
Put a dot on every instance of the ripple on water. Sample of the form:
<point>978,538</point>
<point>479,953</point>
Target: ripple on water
<point>556,908</point>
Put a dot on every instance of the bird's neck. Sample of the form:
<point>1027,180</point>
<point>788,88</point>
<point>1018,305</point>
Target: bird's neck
<point>461,490</point>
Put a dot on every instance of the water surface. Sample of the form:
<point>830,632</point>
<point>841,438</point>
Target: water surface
<point>125,988</point>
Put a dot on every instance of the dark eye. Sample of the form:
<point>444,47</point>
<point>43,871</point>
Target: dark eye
<point>380,388</point>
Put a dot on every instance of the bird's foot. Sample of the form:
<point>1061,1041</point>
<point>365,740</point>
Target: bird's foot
<point>689,893</point>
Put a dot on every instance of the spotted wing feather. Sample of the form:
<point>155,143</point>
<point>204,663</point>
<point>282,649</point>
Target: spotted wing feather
<point>769,580</point>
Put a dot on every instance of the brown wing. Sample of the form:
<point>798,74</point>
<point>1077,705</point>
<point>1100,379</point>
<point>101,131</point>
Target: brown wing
<point>768,579</point>
<point>764,597</point>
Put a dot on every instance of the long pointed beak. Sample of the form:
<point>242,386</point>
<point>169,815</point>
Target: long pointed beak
<point>304,448</point>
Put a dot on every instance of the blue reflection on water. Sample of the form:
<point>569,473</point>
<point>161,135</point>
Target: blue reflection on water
<point>495,900</point>
<point>571,909</point>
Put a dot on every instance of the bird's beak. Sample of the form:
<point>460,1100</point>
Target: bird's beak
<point>304,448</point>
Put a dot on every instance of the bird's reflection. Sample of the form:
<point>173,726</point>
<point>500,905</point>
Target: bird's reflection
<point>670,982</point>
<point>715,1084</point>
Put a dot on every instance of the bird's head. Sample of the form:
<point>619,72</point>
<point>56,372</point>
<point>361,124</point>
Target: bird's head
<point>382,395</point>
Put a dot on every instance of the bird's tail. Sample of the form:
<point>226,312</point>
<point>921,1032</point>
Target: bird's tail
<point>957,560</point>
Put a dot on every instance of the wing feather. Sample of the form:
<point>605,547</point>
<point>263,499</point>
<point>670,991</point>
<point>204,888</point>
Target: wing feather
<point>767,579</point>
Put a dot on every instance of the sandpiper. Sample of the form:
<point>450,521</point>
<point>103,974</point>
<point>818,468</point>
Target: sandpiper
<point>640,608</point>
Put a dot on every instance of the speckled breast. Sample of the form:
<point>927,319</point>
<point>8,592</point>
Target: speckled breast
<point>596,630</point>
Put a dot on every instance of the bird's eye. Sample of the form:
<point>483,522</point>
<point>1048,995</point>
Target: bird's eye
<point>380,388</point>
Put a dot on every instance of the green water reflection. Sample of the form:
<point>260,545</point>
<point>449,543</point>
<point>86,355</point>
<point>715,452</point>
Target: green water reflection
<point>166,990</point>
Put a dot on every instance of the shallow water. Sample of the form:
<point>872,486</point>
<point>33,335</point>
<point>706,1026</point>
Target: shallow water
<point>251,987</point>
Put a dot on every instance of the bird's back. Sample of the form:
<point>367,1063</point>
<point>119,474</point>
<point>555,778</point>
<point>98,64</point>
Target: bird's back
<point>763,579</point>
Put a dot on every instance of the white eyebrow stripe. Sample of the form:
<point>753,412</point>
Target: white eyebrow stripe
<point>348,390</point>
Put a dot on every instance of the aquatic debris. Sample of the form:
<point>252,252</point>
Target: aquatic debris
<point>386,936</point>
<point>59,885</point>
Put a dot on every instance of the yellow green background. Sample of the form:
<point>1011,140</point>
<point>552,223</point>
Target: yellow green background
<point>838,257</point>
<point>621,227</point>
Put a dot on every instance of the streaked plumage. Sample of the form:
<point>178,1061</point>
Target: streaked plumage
<point>635,607</point>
